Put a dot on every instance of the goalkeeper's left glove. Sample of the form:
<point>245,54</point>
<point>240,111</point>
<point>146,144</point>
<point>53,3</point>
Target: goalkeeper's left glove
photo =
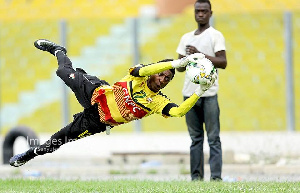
<point>204,87</point>
<point>182,62</point>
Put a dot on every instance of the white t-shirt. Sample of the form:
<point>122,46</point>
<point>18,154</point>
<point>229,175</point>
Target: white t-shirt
<point>208,42</point>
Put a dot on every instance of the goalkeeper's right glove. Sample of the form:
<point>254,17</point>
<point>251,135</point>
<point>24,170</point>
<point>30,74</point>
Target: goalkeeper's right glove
<point>182,62</point>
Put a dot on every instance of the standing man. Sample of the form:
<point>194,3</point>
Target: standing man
<point>207,40</point>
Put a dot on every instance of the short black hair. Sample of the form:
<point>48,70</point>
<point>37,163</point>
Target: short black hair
<point>172,69</point>
<point>204,1</point>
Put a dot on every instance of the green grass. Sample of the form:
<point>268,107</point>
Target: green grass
<point>27,185</point>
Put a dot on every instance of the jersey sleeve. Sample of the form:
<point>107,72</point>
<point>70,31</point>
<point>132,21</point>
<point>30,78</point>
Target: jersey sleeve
<point>169,109</point>
<point>147,70</point>
<point>182,109</point>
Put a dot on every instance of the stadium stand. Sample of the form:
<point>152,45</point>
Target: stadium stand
<point>20,59</point>
<point>57,9</point>
<point>256,62</point>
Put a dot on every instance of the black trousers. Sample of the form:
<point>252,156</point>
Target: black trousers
<point>86,122</point>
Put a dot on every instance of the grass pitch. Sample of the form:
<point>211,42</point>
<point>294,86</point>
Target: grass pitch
<point>132,186</point>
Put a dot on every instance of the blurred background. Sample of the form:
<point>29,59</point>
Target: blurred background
<point>259,89</point>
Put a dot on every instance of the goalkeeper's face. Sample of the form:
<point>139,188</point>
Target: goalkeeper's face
<point>160,80</point>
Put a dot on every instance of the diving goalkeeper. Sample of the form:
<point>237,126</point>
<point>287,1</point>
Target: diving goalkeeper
<point>135,96</point>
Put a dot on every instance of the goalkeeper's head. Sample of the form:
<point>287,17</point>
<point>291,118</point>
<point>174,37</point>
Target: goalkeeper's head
<point>158,81</point>
<point>172,69</point>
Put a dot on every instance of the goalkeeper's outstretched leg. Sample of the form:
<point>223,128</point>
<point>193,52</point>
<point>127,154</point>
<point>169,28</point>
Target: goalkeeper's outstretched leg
<point>77,80</point>
<point>84,124</point>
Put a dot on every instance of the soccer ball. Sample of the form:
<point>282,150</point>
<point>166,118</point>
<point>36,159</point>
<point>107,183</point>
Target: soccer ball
<point>200,71</point>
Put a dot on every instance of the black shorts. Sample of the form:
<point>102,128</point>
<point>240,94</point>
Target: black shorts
<point>82,84</point>
<point>85,123</point>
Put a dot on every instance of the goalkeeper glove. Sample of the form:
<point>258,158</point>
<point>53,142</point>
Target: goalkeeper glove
<point>204,87</point>
<point>182,62</point>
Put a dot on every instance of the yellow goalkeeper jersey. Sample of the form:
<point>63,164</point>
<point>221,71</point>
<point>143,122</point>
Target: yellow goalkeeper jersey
<point>128,100</point>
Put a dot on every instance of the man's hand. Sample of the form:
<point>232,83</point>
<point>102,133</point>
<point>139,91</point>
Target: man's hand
<point>191,50</point>
<point>195,57</point>
<point>182,62</point>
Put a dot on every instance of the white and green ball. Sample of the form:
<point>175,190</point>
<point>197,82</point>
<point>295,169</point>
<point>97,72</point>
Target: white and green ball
<point>200,71</point>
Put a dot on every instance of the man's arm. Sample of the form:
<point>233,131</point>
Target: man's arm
<point>220,60</point>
